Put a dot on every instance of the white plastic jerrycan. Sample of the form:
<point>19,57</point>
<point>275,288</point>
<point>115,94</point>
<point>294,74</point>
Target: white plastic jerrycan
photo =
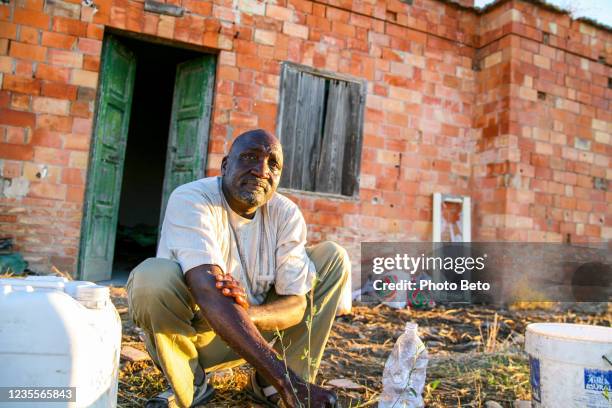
<point>60,341</point>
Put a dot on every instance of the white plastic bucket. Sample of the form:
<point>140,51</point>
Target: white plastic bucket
<point>59,333</point>
<point>567,368</point>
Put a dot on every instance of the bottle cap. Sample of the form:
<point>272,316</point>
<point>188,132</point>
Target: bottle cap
<point>92,296</point>
<point>411,326</point>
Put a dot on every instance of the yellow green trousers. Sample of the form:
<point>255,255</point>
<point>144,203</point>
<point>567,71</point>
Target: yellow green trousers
<point>181,342</point>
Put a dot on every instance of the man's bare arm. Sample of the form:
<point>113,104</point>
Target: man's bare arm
<point>233,324</point>
<point>281,313</point>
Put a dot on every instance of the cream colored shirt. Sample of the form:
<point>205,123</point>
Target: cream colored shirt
<point>196,230</point>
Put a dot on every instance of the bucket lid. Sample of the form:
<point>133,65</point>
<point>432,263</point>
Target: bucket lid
<point>575,332</point>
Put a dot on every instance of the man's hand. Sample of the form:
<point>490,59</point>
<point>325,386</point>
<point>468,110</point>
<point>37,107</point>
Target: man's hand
<point>319,396</point>
<point>230,287</point>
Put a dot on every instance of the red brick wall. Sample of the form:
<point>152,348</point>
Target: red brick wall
<point>545,124</point>
<point>432,123</point>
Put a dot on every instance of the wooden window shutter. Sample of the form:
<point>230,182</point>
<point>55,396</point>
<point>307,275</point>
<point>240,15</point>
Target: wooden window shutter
<point>288,120</point>
<point>302,119</point>
<point>320,127</point>
<point>353,140</point>
<point>329,171</point>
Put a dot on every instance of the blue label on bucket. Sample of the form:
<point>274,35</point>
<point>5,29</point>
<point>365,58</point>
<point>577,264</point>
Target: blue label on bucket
<point>597,380</point>
<point>534,378</point>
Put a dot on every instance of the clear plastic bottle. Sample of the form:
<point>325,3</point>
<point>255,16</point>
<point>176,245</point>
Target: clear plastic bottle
<point>405,370</point>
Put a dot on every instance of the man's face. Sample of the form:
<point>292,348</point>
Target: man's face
<point>252,170</point>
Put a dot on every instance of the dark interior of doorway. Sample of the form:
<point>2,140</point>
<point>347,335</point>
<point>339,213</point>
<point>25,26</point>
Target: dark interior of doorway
<point>143,172</point>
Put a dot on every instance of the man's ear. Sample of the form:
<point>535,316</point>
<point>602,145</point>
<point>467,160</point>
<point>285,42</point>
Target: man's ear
<point>223,165</point>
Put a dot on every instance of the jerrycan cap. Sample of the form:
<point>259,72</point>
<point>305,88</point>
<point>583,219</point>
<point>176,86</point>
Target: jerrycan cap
<point>92,296</point>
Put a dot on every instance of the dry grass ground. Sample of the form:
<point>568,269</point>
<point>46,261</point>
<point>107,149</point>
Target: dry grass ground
<point>475,355</point>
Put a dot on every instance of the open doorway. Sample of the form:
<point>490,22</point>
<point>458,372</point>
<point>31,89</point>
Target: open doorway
<point>151,135</point>
<point>145,158</point>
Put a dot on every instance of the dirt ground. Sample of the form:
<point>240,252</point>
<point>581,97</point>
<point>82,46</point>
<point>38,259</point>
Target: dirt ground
<point>476,354</point>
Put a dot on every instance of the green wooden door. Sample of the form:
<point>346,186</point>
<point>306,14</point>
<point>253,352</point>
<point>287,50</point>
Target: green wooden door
<point>106,161</point>
<point>189,124</point>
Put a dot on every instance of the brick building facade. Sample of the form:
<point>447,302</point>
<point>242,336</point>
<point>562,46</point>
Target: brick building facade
<point>509,105</point>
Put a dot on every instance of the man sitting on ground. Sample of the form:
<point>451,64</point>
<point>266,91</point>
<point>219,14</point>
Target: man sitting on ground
<point>232,271</point>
